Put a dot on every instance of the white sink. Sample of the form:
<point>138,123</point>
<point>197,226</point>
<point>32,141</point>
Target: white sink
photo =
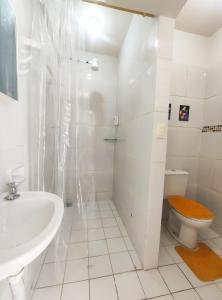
<point>27,226</point>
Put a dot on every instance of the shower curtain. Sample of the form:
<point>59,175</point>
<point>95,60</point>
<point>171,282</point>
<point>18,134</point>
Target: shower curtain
<point>54,88</point>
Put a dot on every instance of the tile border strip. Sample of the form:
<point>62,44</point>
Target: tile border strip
<point>214,128</point>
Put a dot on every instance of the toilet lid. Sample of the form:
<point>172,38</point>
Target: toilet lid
<point>190,208</point>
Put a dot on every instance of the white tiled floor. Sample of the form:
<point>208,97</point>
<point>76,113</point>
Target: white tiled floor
<point>92,258</point>
<point>99,266</point>
<point>103,288</point>
<point>75,291</point>
<point>153,283</point>
<point>174,278</point>
<point>129,287</point>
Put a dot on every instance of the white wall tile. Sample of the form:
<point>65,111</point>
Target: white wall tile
<point>213,83</point>
<point>211,145</point>
<point>179,80</point>
<point>166,31</point>
<point>196,82</point>
<point>189,164</point>
<point>212,200</point>
<point>217,175</point>
<point>163,77</point>
<point>190,49</point>
<point>212,111</point>
<point>183,141</point>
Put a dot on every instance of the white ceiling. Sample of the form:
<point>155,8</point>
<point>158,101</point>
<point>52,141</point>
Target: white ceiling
<point>114,27</point>
<point>196,16</point>
<point>115,23</point>
<point>169,8</point>
<point>200,17</point>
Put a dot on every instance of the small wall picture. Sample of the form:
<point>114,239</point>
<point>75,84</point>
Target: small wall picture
<point>169,112</point>
<point>184,113</point>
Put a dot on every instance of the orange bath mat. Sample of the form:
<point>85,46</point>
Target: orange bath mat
<point>204,262</point>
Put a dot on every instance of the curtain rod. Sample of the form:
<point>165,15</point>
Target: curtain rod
<point>144,14</point>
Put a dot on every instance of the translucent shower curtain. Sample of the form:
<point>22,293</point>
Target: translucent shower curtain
<point>54,89</point>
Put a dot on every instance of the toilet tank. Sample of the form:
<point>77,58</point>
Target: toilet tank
<point>175,182</point>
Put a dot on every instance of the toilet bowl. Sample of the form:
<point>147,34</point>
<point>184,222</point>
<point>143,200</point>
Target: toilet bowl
<point>193,216</point>
<point>186,216</point>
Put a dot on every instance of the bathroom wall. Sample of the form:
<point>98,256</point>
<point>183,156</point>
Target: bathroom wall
<point>13,133</point>
<point>142,105</point>
<point>210,162</point>
<point>190,57</point>
<point>196,81</point>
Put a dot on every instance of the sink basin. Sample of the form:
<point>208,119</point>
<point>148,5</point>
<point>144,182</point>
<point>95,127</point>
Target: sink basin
<point>27,226</point>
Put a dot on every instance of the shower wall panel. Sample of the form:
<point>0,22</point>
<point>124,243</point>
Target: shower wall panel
<point>143,98</point>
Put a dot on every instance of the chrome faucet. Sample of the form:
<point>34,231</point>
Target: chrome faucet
<point>12,191</point>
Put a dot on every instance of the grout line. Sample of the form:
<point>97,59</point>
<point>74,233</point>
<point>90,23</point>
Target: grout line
<point>141,284</point>
<point>164,280</point>
<point>194,287</point>
<point>122,236</point>
<point>116,287</point>
<point>89,291</point>
<point>38,276</point>
<point>63,279</point>
<point>112,268</point>
<point>61,292</point>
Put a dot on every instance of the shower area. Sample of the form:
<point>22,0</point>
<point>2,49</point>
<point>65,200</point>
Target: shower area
<point>98,111</point>
<point>73,104</point>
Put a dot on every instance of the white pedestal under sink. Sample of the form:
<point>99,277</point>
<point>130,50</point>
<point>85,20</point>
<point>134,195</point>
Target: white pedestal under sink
<point>27,226</point>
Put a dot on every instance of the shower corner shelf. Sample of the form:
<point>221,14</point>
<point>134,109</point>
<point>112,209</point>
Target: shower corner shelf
<point>111,139</point>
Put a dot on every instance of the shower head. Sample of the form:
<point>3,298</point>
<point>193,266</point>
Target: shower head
<point>94,64</point>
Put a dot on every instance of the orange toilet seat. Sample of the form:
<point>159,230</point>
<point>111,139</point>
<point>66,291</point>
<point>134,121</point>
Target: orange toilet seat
<point>190,208</point>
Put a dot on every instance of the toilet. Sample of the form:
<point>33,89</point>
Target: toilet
<point>186,216</point>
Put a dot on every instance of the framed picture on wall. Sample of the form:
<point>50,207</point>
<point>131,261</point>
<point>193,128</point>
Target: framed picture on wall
<point>184,113</point>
